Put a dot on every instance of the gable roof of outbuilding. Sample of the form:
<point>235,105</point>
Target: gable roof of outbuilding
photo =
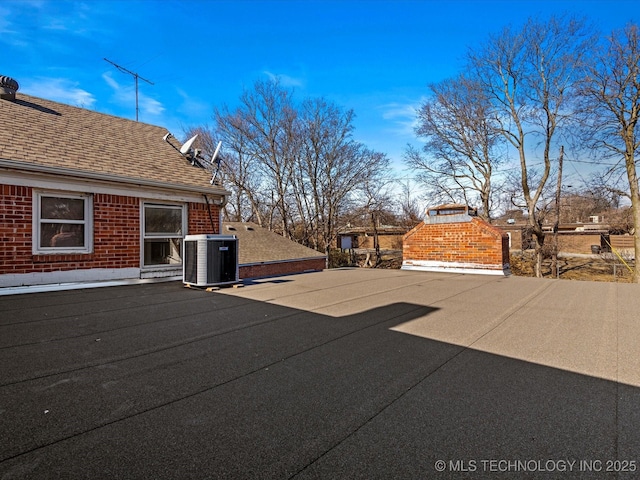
<point>45,136</point>
<point>259,245</point>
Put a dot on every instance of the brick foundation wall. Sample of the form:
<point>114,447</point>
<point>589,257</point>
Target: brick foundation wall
<point>283,268</point>
<point>474,242</point>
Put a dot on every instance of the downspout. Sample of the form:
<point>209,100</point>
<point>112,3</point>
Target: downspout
<point>223,202</point>
<point>213,228</point>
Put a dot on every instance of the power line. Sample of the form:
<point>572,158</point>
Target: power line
<point>135,75</point>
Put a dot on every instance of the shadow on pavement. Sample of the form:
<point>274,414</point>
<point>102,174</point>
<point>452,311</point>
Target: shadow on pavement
<point>158,381</point>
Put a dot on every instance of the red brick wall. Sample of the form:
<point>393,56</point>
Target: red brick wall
<point>116,234</point>
<point>475,242</point>
<point>15,228</point>
<point>284,268</point>
<point>199,220</point>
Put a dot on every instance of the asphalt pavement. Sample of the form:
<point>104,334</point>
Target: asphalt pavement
<point>341,374</point>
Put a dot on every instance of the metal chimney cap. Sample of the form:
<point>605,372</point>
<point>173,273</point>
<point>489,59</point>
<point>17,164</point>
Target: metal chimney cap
<point>8,88</point>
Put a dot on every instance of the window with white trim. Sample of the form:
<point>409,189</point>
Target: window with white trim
<point>162,229</point>
<point>62,223</point>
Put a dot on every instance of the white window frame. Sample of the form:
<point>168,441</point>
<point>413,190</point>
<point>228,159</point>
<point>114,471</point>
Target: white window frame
<point>144,236</point>
<point>37,248</point>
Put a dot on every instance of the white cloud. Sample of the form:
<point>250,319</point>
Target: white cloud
<point>125,96</point>
<point>8,34</point>
<point>61,90</point>
<point>5,25</point>
<point>150,105</point>
<point>193,107</point>
<point>402,116</point>
<point>110,81</point>
<point>285,80</point>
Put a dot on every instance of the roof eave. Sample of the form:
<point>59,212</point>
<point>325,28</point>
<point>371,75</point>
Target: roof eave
<point>69,172</point>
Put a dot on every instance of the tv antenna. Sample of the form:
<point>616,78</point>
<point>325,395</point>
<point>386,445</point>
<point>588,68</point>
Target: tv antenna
<point>135,75</point>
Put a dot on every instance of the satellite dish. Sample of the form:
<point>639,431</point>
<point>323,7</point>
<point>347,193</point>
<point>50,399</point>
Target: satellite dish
<point>187,145</point>
<point>215,154</point>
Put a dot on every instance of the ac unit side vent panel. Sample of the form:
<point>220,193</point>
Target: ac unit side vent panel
<point>190,262</point>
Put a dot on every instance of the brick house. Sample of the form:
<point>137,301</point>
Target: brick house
<point>262,253</point>
<point>453,239</point>
<point>88,197</point>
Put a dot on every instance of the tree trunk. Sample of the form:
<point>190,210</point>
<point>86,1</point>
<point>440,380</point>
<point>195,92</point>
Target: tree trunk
<point>539,253</point>
<point>634,193</point>
<point>636,239</point>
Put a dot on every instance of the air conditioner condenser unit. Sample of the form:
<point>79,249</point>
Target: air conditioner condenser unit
<point>210,260</point>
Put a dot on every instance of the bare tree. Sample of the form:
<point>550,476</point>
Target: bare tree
<point>331,168</point>
<point>240,169</point>
<point>612,91</point>
<point>462,144</point>
<point>325,130</point>
<point>529,76</point>
<point>374,207</point>
<point>296,165</point>
<point>578,205</point>
<point>410,213</point>
<point>236,170</point>
<point>260,133</point>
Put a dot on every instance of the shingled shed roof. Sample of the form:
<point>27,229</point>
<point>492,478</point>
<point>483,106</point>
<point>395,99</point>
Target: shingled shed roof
<point>259,245</point>
<point>44,136</point>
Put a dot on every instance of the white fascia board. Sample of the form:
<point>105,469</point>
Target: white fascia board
<point>29,175</point>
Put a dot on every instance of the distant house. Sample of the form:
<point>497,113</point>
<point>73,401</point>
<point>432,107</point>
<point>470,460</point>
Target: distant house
<point>389,237</point>
<point>582,238</point>
<point>262,253</point>
<point>89,197</point>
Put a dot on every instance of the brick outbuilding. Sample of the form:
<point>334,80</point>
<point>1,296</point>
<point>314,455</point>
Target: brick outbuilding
<point>263,253</point>
<point>453,239</point>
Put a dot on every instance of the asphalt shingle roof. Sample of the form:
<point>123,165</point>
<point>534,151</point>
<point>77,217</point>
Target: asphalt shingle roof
<point>45,134</point>
<point>257,244</point>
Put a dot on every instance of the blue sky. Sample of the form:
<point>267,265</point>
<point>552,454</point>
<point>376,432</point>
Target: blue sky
<point>375,57</point>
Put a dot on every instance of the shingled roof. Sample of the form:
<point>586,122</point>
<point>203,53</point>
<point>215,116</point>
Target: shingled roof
<point>45,136</point>
<point>259,245</point>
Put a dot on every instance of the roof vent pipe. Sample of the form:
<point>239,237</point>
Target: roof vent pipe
<point>8,88</point>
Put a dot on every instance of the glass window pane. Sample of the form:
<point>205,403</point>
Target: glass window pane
<point>57,235</point>
<point>61,208</point>
<point>163,220</point>
<point>162,251</point>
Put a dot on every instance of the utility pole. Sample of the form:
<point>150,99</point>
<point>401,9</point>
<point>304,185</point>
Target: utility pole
<point>555,270</point>
<point>135,75</point>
